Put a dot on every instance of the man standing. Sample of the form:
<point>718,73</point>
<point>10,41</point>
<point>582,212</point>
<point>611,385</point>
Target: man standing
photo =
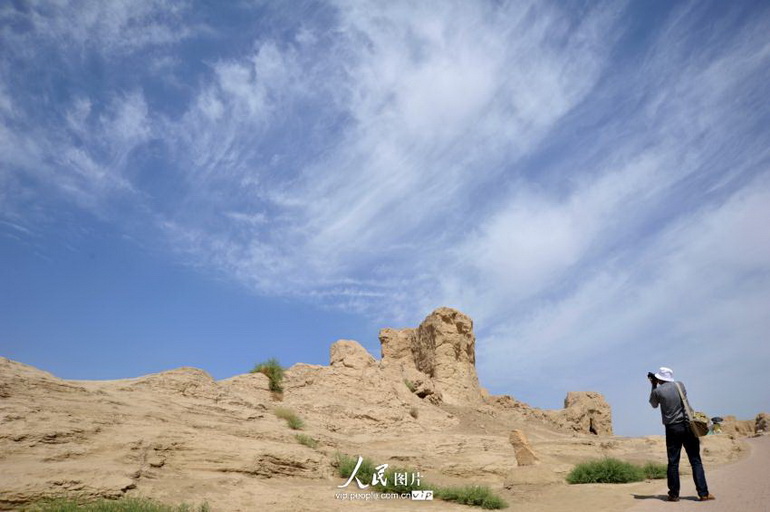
<point>678,433</point>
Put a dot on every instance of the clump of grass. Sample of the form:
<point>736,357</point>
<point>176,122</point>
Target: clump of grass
<point>105,505</point>
<point>654,471</point>
<point>414,412</point>
<point>478,496</point>
<point>295,423</point>
<point>605,471</point>
<point>306,440</point>
<point>283,413</point>
<point>410,385</point>
<point>346,464</point>
<point>273,370</point>
<point>474,495</point>
<point>292,420</point>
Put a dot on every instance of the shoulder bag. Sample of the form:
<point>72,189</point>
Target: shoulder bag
<point>699,422</point>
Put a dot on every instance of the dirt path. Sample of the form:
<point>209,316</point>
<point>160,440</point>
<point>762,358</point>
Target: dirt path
<point>740,487</point>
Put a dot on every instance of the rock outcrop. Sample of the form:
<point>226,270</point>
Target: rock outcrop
<point>762,423</point>
<point>182,436</point>
<point>585,412</point>
<point>350,354</point>
<point>441,350</point>
<point>734,426</point>
<point>525,455</point>
<point>744,428</point>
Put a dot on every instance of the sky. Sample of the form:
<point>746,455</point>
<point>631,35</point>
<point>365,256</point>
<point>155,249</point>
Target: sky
<point>211,184</point>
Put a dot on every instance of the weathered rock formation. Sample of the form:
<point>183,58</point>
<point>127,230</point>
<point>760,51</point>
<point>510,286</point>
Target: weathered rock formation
<point>180,435</point>
<point>525,455</point>
<point>439,356</point>
<point>742,428</point>
<point>732,425</point>
<point>350,354</point>
<point>762,423</point>
<point>586,412</point>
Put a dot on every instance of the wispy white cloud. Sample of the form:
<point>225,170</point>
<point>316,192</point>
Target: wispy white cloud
<point>443,102</point>
<point>117,26</point>
<point>6,104</point>
<point>56,131</point>
<point>431,105</point>
<point>675,294</point>
<point>84,157</point>
<point>563,181</point>
<point>661,260</point>
<point>695,301</point>
<point>219,136</point>
<point>434,105</point>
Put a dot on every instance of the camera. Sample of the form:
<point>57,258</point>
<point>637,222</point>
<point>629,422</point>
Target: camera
<point>650,375</point>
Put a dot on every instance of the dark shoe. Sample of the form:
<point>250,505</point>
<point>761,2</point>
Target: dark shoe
<point>708,497</point>
<point>673,498</point>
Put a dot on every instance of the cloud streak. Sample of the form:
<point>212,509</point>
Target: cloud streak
<point>576,180</point>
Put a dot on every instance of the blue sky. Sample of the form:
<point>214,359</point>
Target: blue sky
<point>215,183</point>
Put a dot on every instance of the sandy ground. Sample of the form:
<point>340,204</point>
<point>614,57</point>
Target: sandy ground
<point>740,487</point>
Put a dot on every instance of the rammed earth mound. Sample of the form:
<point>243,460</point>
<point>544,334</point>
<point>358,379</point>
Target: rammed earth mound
<point>224,442</point>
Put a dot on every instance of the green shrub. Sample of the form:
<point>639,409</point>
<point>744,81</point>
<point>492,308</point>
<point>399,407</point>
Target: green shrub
<point>273,370</point>
<point>410,385</point>
<point>605,471</point>
<point>292,420</point>
<point>104,505</point>
<point>306,440</point>
<point>470,495</point>
<point>295,423</point>
<point>654,471</point>
<point>346,464</point>
<point>474,495</point>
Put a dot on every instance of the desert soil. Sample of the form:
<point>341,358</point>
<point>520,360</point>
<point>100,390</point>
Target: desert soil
<point>743,486</point>
<point>182,436</point>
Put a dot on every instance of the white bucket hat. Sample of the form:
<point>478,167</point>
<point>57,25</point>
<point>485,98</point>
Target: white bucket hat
<point>665,374</point>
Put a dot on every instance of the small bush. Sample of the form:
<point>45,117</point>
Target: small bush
<point>283,412</point>
<point>306,440</point>
<point>474,495</point>
<point>654,471</point>
<point>346,464</point>
<point>295,423</point>
<point>273,370</point>
<point>122,505</point>
<point>605,471</point>
<point>292,420</point>
<point>410,385</point>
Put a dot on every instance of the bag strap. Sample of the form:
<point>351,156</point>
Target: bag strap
<point>685,403</point>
